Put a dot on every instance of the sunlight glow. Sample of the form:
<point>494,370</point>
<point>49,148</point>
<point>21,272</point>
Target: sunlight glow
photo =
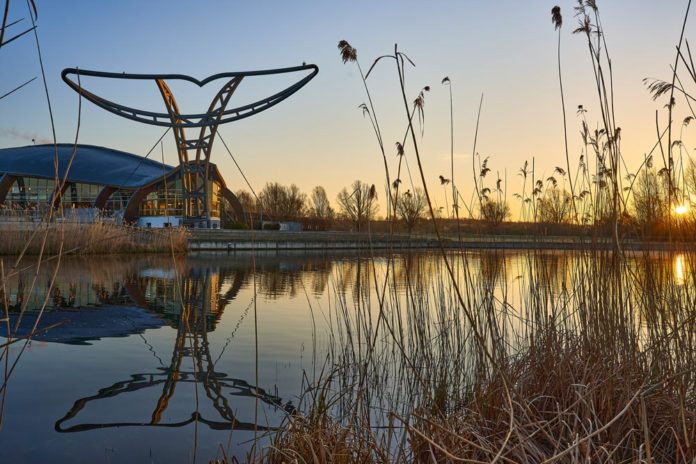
<point>681,209</point>
<point>679,269</point>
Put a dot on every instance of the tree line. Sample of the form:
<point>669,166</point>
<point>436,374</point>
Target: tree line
<point>647,208</point>
<point>357,204</point>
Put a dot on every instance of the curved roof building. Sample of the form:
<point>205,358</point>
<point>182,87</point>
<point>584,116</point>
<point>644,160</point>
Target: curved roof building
<point>91,164</point>
<point>128,187</point>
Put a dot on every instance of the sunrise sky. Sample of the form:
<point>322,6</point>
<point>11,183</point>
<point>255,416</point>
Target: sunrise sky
<point>505,50</point>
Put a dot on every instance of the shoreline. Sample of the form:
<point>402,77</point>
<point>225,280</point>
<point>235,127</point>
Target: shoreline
<point>93,240</point>
<point>228,240</point>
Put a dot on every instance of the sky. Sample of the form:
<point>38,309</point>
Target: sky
<point>504,50</point>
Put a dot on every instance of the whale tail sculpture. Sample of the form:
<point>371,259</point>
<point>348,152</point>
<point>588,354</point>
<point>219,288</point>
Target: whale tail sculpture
<point>193,151</point>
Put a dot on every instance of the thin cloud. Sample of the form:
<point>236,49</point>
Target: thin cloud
<point>26,136</point>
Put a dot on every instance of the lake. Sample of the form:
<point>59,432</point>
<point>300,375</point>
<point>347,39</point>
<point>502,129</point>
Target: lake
<point>161,359</point>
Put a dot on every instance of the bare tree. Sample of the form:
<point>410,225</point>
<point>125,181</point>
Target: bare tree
<point>276,200</point>
<point>358,205</point>
<point>494,210</point>
<point>320,207</point>
<point>690,179</point>
<point>246,199</point>
<point>650,198</point>
<point>411,207</point>
<point>554,206</point>
<point>295,202</point>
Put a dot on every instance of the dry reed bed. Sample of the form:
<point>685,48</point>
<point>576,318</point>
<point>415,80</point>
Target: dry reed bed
<point>91,238</point>
<point>592,363</point>
<point>595,363</point>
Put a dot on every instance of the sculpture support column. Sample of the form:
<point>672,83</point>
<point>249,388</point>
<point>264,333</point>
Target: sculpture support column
<point>195,175</point>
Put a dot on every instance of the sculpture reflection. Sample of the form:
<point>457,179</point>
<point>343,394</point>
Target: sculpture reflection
<point>190,295</point>
<point>194,303</point>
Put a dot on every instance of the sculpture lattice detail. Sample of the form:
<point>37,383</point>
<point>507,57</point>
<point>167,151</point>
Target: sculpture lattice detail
<point>195,169</point>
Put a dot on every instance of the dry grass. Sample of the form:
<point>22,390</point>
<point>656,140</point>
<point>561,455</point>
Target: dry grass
<point>92,238</point>
<point>589,364</point>
<point>600,372</point>
<point>594,363</point>
<point>320,439</point>
<point>565,404</point>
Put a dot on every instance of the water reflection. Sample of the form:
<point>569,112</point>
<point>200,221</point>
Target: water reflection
<point>211,282</point>
<point>189,294</point>
<point>193,297</point>
<point>679,269</point>
<point>492,267</point>
<point>148,282</point>
<point>195,365</point>
<point>191,347</point>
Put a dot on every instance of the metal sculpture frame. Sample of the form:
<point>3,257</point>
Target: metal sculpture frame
<point>195,173</point>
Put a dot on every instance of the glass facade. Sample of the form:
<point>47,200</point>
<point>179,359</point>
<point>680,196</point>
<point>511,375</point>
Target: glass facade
<point>118,201</point>
<point>35,194</point>
<point>168,201</point>
<point>215,200</point>
<point>165,201</point>
<point>80,195</point>
<point>31,193</point>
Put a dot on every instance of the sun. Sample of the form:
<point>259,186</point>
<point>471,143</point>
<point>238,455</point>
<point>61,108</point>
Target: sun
<point>680,210</point>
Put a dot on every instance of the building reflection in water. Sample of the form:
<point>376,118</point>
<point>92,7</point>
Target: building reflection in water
<point>190,294</point>
<point>192,298</point>
<point>149,282</point>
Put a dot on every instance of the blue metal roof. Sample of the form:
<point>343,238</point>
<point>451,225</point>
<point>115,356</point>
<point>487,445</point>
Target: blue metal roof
<point>91,165</point>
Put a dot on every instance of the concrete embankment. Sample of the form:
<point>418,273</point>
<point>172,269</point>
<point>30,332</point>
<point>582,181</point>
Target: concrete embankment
<point>235,240</point>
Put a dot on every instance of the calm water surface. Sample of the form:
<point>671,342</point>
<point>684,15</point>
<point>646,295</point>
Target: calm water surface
<point>124,376</point>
